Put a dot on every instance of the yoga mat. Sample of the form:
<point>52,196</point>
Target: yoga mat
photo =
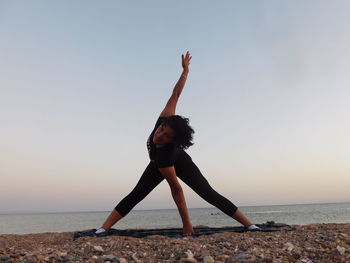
<point>269,226</point>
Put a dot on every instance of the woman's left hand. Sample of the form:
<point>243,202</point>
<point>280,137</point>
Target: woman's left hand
<point>186,60</point>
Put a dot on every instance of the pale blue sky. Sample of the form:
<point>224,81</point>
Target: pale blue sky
<point>83,82</point>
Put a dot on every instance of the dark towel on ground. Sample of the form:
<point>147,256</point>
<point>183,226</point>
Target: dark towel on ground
<point>270,226</point>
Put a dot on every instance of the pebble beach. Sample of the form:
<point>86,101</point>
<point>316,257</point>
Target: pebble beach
<point>307,244</point>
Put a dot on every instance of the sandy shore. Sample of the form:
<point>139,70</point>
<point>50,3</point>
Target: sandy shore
<point>307,244</point>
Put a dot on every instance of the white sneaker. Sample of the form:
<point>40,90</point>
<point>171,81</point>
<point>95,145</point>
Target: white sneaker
<point>100,230</point>
<point>254,228</point>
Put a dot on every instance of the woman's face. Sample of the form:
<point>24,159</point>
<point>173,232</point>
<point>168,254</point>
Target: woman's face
<point>163,135</point>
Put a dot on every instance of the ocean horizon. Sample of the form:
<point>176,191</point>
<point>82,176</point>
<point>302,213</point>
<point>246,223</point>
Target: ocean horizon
<point>24,222</point>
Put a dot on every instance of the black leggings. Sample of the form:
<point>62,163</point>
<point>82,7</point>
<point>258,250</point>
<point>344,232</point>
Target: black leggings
<point>190,174</point>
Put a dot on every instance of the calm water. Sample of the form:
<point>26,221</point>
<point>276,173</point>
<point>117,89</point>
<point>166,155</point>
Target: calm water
<point>72,221</point>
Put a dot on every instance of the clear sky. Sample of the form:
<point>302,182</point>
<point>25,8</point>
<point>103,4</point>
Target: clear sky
<point>83,82</point>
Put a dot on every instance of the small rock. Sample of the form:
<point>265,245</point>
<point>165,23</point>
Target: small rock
<point>96,259</point>
<point>189,257</point>
<point>98,249</point>
<point>63,259</point>
<point>133,256</point>
<point>208,259</point>
<point>241,256</point>
<point>203,253</point>
<point>188,260</point>
<point>123,260</point>
<point>222,258</point>
<point>14,256</point>
<point>189,254</point>
<point>4,259</point>
<point>343,235</point>
<point>111,258</point>
<point>288,246</point>
<point>309,249</point>
<point>341,250</point>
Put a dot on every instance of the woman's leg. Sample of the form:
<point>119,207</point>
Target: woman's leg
<point>192,176</point>
<point>113,218</point>
<point>148,181</point>
<point>240,217</point>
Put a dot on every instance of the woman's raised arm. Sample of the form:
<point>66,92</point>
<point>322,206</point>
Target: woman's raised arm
<point>170,107</point>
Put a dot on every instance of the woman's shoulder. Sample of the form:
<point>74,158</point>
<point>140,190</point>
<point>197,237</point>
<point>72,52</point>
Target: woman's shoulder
<point>159,121</point>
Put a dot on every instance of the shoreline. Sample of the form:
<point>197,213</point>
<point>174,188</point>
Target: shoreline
<point>166,209</point>
<point>310,243</point>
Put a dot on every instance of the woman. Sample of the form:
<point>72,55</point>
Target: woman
<point>170,136</point>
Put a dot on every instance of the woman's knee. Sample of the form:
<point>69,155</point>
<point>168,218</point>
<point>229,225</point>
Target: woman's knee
<point>138,194</point>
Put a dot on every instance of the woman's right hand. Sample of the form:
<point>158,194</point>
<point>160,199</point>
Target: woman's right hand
<point>188,230</point>
<point>186,61</point>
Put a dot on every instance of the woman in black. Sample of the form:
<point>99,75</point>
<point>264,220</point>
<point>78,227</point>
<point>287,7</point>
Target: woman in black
<point>170,136</point>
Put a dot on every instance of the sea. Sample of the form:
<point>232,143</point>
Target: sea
<point>301,214</point>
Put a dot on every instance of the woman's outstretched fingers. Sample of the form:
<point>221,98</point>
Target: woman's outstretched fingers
<point>186,60</point>
<point>188,56</point>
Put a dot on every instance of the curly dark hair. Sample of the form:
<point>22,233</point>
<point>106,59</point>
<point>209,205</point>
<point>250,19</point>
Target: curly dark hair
<point>183,131</point>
